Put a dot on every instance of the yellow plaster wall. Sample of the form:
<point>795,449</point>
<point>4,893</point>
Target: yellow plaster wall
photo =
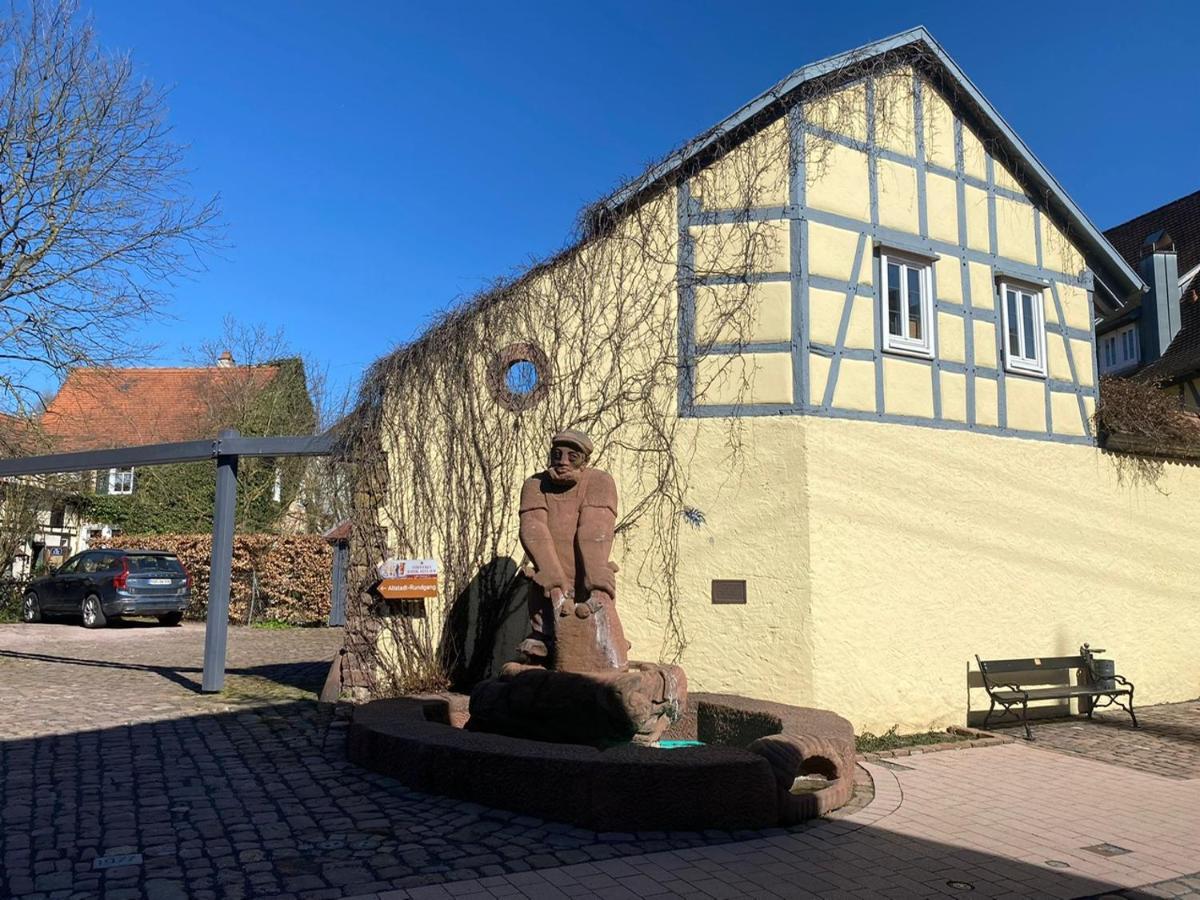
<point>951,342</point>
<point>983,289</point>
<point>744,379</point>
<point>1014,231</point>
<point>985,343</point>
<point>836,181</point>
<point>974,156</point>
<point>818,377</point>
<point>1064,410</point>
<point>907,388</point>
<point>753,174</point>
<point>831,252</point>
<point>939,128</point>
<point>941,205</point>
<point>954,396</point>
<point>824,315</point>
<point>976,203</point>
<point>860,330</point>
<point>897,192</point>
<point>855,386</point>
<point>1025,403</point>
<point>987,401</point>
<point>1005,179</point>
<point>895,123</point>
<point>927,547</point>
<point>742,247</point>
<point>762,648</point>
<point>1058,253</point>
<point>721,310</point>
<point>1077,310</point>
<point>949,279</point>
<point>843,112</point>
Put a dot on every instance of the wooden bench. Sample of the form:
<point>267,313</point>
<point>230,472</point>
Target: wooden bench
<point>1009,693</point>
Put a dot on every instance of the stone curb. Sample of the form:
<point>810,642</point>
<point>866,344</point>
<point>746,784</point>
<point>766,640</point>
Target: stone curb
<point>975,737</point>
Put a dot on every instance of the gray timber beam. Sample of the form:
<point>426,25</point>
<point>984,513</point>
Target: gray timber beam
<point>164,454</point>
<point>148,455</point>
<point>310,445</point>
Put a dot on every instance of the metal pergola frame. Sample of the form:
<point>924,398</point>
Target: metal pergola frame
<point>226,450</point>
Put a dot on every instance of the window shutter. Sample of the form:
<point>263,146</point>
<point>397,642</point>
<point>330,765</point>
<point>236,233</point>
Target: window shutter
<point>102,482</point>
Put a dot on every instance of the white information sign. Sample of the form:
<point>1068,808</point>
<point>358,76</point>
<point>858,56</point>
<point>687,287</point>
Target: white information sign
<point>407,568</point>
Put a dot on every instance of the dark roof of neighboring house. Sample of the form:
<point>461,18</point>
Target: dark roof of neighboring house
<point>100,408</point>
<point>1181,220</point>
<point>771,102</point>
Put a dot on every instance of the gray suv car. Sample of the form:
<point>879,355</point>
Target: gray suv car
<point>102,584</point>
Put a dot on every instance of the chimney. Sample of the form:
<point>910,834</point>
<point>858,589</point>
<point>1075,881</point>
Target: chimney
<point>1159,268</point>
<point>226,360</point>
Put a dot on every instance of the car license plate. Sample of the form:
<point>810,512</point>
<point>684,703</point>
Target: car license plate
<point>158,581</point>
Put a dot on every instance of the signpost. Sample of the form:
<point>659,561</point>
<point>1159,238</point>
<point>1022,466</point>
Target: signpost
<point>407,579</point>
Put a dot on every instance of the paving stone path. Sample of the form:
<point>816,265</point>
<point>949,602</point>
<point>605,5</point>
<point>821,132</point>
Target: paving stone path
<point>119,780</point>
<point>1167,741</point>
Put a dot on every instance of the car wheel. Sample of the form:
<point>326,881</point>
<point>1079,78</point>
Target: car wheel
<point>173,618</point>
<point>31,609</point>
<point>93,613</point>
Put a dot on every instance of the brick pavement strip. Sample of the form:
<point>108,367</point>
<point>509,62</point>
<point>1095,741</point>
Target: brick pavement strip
<point>106,748</point>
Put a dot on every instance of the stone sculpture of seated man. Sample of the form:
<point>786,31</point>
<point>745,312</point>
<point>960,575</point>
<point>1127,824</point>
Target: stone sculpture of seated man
<point>568,513</point>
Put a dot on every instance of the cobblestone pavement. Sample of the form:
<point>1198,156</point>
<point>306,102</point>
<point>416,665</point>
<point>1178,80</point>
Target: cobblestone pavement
<point>107,750</point>
<point>1167,742</point>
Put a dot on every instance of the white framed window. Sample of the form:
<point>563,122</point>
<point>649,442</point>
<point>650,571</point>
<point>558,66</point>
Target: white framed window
<point>1024,328</point>
<point>120,481</point>
<point>907,294</point>
<point>1120,349</point>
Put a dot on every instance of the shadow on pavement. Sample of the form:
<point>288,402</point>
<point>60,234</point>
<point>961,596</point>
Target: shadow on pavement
<point>298,675</point>
<point>263,801</point>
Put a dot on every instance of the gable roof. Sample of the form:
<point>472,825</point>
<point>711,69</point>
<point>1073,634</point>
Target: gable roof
<point>1181,220</point>
<point>1125,282</point>
<point>100,408</point>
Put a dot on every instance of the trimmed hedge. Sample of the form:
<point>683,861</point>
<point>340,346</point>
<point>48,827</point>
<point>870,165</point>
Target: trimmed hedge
<point>292,574</point>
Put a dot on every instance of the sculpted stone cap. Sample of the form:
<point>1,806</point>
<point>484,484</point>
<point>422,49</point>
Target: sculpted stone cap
<point>573,438</point>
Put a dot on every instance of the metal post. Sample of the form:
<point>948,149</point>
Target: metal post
<point>217,620</point>
<point>337,604</point>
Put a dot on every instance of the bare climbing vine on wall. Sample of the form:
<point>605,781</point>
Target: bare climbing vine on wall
<point>1143,426</point>
<point>447,427</point>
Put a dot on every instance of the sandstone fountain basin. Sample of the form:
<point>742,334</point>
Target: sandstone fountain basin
<point>760,765</point>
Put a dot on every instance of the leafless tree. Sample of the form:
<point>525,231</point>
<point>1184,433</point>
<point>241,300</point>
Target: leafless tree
<point>96,215</point>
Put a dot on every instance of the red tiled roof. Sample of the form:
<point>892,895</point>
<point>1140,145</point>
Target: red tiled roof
<point>15,434</point>
<point>100,408</point>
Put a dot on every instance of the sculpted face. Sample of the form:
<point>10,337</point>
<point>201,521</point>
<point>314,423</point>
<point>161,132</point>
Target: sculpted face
<point>565,464</point>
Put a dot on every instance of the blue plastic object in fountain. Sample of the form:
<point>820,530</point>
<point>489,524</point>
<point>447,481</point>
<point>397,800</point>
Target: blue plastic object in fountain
<point>676,745</point>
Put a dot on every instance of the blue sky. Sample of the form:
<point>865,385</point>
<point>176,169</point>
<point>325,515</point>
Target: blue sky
<point>377,161</point>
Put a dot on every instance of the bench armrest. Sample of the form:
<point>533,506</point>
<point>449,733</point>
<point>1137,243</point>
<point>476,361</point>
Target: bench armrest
<point>1120,679</point>
<point>1006,686</point>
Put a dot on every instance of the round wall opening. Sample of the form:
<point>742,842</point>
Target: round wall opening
<point>520,376</point>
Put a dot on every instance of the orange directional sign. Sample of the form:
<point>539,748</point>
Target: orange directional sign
<point>407,579</point>
<point>412,587</point>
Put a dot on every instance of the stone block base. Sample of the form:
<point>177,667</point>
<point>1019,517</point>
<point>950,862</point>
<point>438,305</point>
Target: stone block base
<point>637,703</point>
